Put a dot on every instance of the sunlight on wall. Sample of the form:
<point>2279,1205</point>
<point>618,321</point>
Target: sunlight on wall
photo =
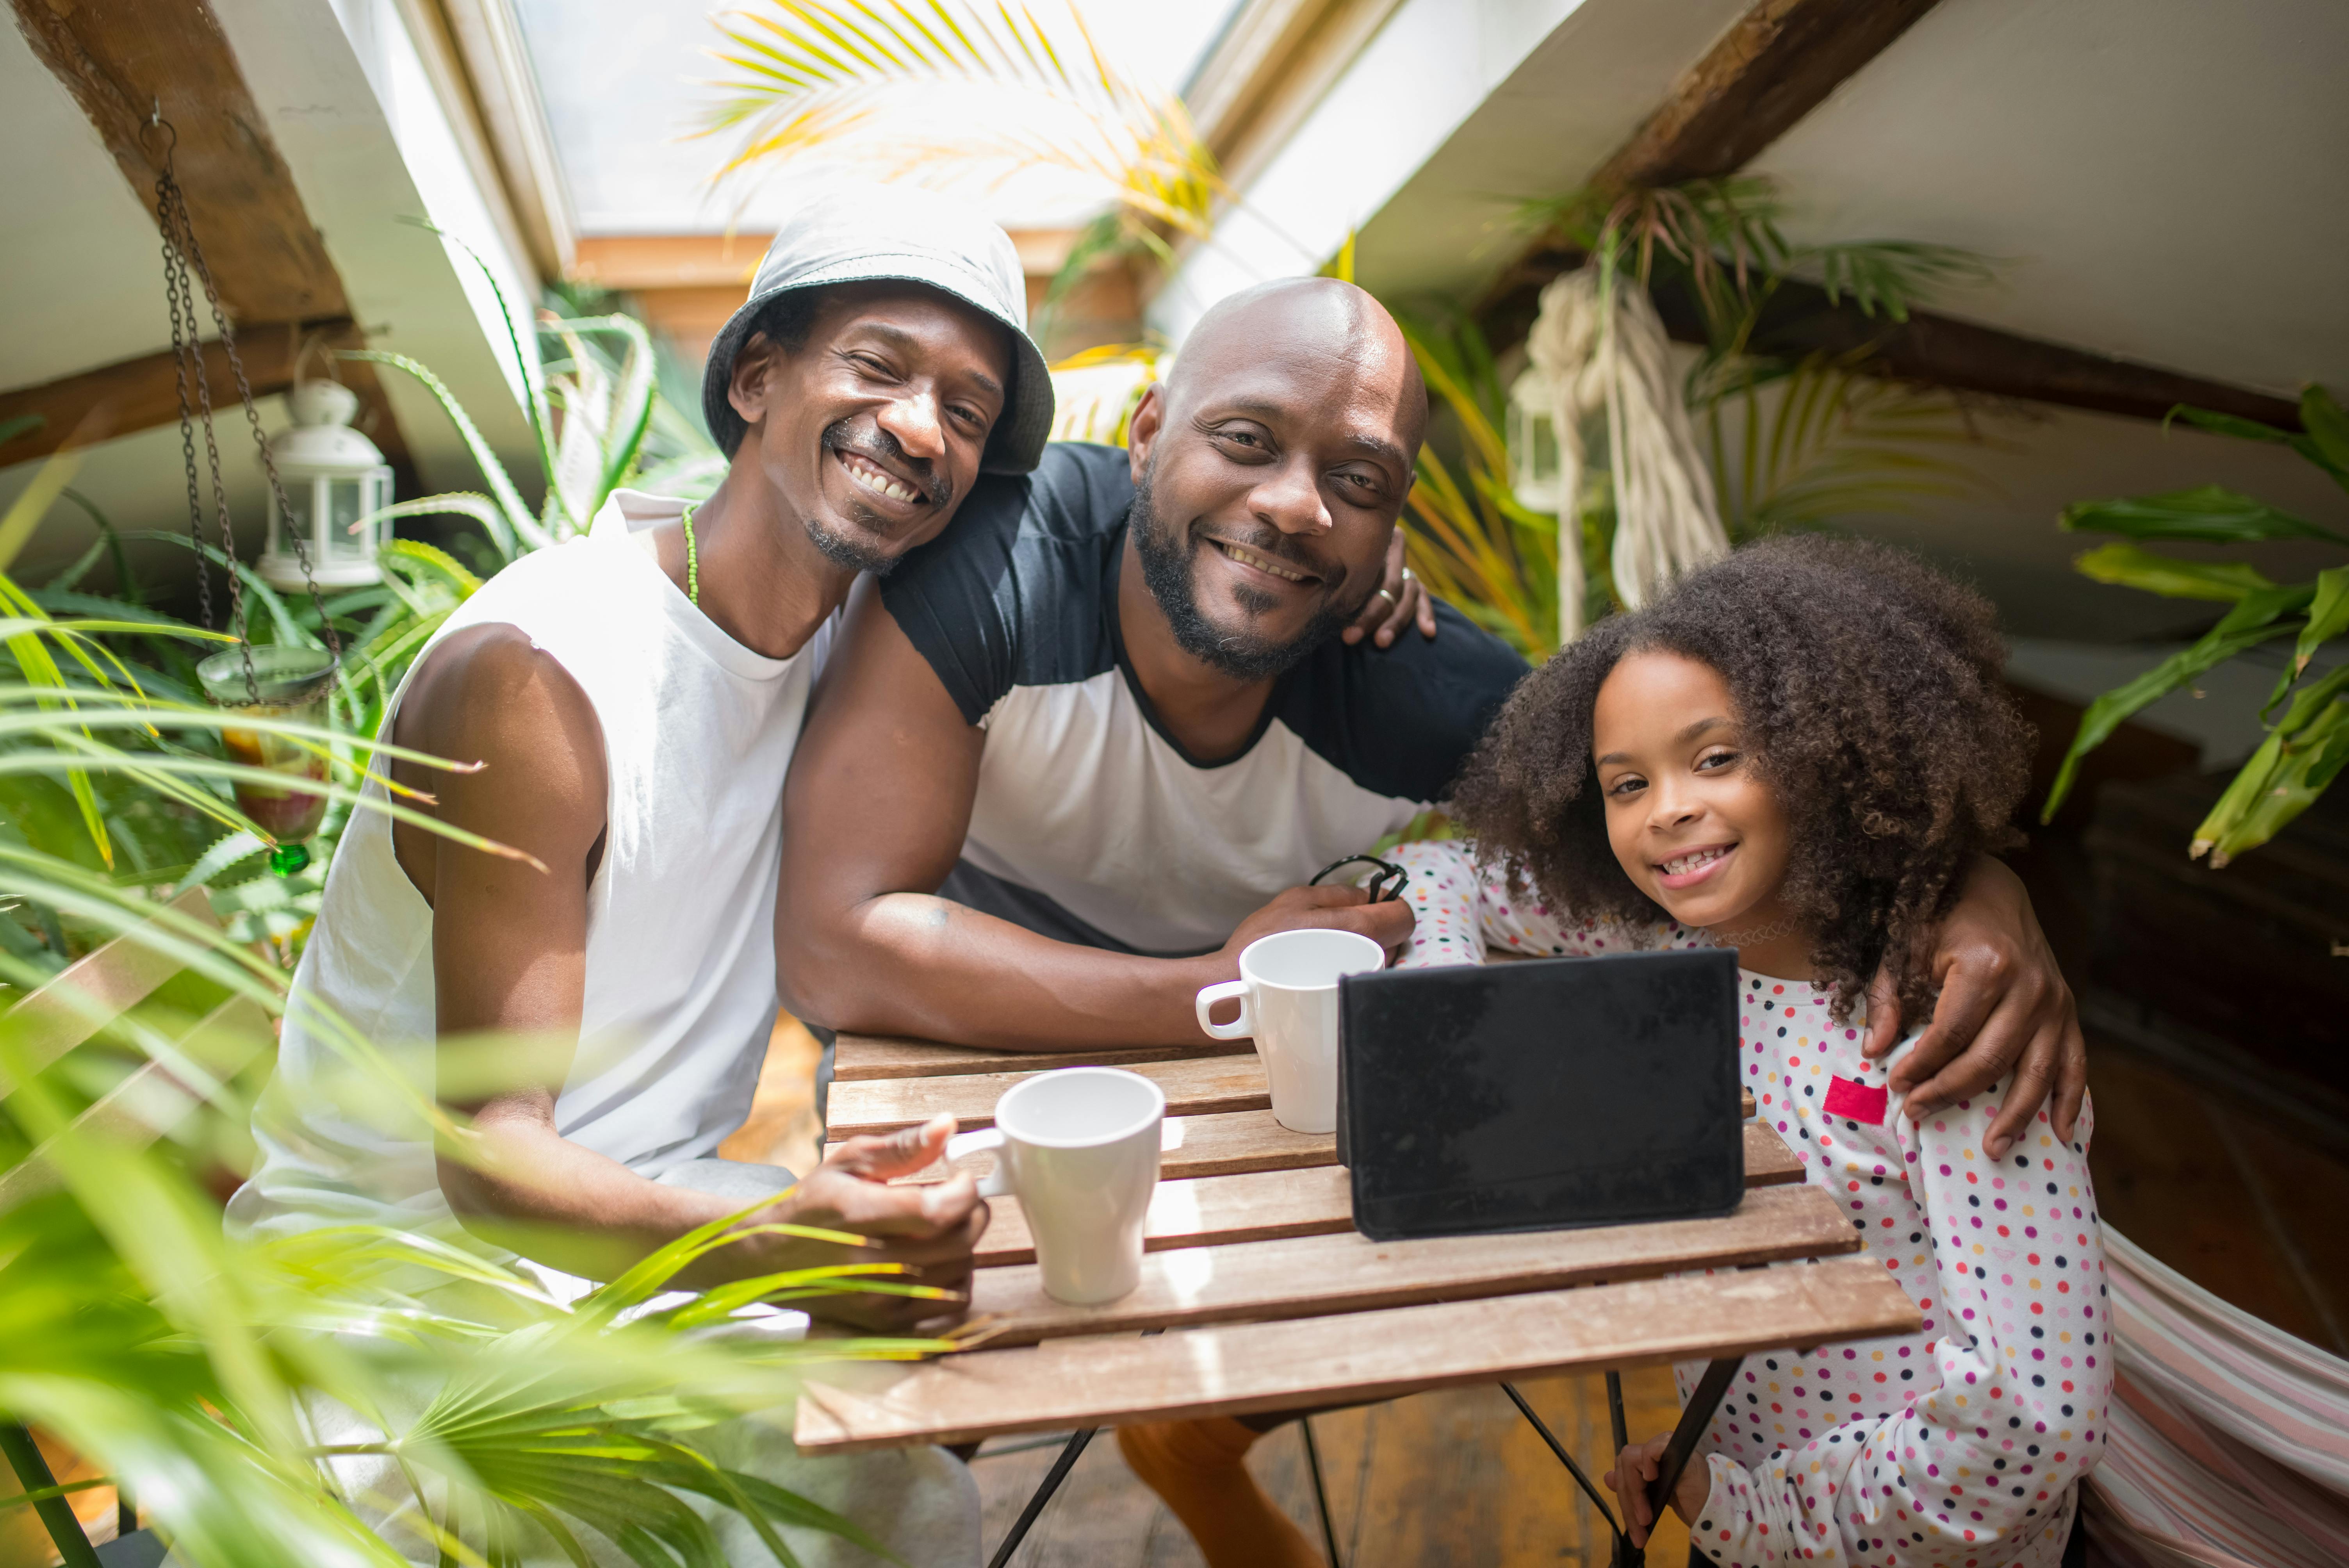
<point>452,201</point>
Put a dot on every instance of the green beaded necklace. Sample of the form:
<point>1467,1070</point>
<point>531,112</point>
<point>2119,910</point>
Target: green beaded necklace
<point>692,559</point>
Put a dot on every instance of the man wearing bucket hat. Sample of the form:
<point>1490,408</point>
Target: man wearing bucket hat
<point>634,698</point>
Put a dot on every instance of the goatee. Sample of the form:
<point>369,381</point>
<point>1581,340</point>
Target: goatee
<point>1167,553</point>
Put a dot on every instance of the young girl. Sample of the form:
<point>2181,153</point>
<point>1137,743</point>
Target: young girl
<point>1797,752</point>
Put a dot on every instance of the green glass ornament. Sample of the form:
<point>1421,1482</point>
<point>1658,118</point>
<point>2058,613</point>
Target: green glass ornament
<point>289,859</point>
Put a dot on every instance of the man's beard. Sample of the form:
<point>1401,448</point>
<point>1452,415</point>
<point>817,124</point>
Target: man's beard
<point>851,551</point>
<point>845,551</point>
<point>1167,553</point>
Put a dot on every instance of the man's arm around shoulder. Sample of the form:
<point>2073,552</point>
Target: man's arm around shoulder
<point>874,816</point>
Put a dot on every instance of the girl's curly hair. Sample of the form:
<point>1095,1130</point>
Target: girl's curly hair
<point>1868,688</point>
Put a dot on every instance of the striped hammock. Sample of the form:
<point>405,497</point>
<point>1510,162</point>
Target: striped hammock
<point>2228,1439</point>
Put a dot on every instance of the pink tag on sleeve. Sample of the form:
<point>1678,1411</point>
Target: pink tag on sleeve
<point>1856,1102</point>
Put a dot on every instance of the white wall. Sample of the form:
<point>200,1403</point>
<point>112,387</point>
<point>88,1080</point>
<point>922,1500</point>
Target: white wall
<point>2161,179</point>
<point>1429,68</point>
<point>83,265</point>
<point>351,108</point>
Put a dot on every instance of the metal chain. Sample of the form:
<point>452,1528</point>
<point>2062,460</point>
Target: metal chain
<point>180,350</point>
<point>180,248</point>
<point>252,417</point>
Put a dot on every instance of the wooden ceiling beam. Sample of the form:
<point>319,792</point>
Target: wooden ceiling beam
<point>124,61</point>
<point>1776,64</point>
<point>120,59</point>
<point>1780,61</point>
<point>1930,349</point>
<point>134,395</point>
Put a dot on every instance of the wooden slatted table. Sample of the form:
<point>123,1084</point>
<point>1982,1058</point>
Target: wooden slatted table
<point>1258,1293</point>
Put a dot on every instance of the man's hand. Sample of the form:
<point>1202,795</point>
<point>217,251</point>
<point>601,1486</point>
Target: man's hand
<point>1402,599</point>
<point>2003,1003</point>
<point>1328,909</point>
<point>1636,1470</point>
<point>930,1229</point>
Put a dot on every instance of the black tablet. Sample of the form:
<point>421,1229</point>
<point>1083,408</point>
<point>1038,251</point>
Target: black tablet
<point>1541,1094</point>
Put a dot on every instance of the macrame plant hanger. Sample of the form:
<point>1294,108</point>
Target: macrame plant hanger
<point>183,268</point>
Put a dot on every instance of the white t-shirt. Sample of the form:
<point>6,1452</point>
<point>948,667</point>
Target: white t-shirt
<point>681,972</point>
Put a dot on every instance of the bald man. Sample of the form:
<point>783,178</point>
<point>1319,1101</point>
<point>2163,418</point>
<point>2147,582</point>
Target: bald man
<point>1073,756</point>
<point>1065,768</point>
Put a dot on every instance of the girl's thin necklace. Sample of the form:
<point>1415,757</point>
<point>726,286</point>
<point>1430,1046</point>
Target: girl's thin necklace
<point>692,559</point>
<point>1760,934</point>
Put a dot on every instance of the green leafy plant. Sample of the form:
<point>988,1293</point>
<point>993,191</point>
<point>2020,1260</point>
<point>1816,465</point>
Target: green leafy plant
<point>1796,441</point>
<point>1725,239</point>
<point>198,1372</point>
<point>2307,746</point>
<point>1808,442</point>
<point>606,408</point>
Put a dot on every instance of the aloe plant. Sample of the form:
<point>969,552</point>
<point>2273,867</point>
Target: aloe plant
<point>2307,747</point>
<point>605,413</point>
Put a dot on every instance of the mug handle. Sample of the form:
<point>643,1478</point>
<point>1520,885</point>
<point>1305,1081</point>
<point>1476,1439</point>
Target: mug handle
<point>1239,1028</point>
<point>996,1183</point>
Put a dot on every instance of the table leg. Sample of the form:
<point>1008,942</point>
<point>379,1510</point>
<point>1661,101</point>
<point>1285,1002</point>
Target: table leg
<point>1051,1483</point>
<point>56,1514</point>
<point>1321,1494</point>
<point>1598,1501</point>
<point>1710,1390</point>
<point>1626,1554</point>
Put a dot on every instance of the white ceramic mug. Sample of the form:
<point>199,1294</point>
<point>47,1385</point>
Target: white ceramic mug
<point>1079,1148</point>
<point>1288,992</point>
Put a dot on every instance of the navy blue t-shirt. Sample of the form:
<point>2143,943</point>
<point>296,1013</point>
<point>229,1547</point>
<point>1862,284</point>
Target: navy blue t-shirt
<point>1091,823</point>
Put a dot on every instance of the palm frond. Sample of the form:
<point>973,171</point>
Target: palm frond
<point>1802,446</point>
<point>1466,535</point>
<point>820,76</point>
<point>1886,276</point>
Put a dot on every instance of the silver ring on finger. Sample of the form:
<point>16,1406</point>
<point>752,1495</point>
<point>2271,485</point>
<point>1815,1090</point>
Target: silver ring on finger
<point>1390,598</point>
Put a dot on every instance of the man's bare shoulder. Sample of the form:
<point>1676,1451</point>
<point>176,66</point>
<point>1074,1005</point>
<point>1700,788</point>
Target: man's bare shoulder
<point>488,694</point>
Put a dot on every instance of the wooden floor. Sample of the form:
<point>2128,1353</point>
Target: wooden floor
<point>2222,1195</point>
<point>1438,1478</point>
<point>2207,1186</point>
<point>782,1128</point>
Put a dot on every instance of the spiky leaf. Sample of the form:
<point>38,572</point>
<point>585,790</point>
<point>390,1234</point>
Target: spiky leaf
<point>2211,513</point>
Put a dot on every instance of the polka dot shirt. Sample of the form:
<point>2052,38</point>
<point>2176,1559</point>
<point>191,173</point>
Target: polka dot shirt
<point>1961,1445</point>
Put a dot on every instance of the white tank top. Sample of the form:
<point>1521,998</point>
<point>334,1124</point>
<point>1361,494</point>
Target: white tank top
<point>680,968</point>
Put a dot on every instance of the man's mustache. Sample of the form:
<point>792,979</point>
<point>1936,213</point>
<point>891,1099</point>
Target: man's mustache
<point>878,445</point>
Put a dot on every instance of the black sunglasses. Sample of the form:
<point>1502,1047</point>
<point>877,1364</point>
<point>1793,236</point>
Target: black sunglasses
<point>1389,884</point>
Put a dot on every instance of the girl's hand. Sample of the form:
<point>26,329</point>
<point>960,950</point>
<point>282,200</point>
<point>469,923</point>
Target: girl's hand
<point>1636,1470</point>
<point>2003,1009</point>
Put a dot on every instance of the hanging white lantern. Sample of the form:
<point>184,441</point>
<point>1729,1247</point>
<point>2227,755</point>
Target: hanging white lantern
<point>1535,476</point>
<point>332,476</point>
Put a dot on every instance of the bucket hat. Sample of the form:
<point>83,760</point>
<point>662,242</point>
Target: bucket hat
<point>872,233</point>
